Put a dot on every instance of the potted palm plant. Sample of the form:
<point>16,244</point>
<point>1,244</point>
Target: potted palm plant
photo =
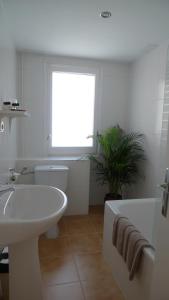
<point>117,162</point>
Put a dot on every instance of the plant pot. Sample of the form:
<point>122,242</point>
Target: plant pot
<point>112,196</point>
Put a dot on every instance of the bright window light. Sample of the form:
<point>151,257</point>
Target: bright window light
<point>73,97</point>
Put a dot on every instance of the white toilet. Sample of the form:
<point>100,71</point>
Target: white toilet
<point>52,175</point>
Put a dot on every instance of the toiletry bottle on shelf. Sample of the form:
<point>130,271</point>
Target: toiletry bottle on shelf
<point>15,105</point>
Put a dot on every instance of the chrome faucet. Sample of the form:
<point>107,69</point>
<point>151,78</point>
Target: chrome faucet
<point>6,188</point>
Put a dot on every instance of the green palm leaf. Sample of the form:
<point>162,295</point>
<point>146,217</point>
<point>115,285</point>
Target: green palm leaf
<point>120,158</point>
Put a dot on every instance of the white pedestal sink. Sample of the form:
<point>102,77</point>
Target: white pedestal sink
<point>25,214</point>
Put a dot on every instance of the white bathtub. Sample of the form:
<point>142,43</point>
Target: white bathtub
<point>141,212</point>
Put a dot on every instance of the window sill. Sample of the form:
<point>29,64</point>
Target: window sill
<point>82,157</point>
<point>57,158</point>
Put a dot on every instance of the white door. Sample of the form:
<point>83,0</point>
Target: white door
<point>160,282</point>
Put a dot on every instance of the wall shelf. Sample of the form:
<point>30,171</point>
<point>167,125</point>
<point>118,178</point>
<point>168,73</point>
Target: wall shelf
<point>11,114</point>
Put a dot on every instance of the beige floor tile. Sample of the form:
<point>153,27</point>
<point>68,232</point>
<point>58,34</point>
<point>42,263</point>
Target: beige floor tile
<point>101,289</point>
<point>79,225</point>
<point>97,222</point>
<point>92,266</point>
<point>62,227</point>
<point>96,210</point>
<point>53,247</point>
<point>82,244</point>
<point>101,237</point>
<point>58,270</point>
<point>72,265</point>
<point>64,292</point>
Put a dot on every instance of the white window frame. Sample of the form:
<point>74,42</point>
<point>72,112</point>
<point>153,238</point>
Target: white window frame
<point>62,151</point>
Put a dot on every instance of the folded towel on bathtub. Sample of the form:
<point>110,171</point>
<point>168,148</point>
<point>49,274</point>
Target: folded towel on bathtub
<point>129,243</point>
<point>120,219</point>
<point>119,227</point>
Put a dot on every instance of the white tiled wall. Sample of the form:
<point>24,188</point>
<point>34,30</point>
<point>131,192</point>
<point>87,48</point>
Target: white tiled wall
<point>146,114</point>
<point>8,145</point>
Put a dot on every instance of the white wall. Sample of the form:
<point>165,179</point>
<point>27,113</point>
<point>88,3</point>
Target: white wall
<point>145,114</point>
<point>8,145</point>
<point>112,96</point>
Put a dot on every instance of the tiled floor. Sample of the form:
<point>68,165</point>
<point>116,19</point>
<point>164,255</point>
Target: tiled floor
<point>72,265</point>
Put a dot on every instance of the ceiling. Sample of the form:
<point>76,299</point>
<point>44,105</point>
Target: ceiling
<point>74,28</point>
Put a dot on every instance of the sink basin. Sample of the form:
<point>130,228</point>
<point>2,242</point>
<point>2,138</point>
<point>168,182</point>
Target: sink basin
<point>29,211</point>
<point>26,213</point>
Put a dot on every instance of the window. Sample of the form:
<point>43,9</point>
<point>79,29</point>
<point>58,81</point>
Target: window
<point>72,113</point>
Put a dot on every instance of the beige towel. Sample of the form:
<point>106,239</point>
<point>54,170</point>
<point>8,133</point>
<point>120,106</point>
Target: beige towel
<point>130,229</point>
<point>129,243</point>
<point>118,219</point>
<point>135,255</point>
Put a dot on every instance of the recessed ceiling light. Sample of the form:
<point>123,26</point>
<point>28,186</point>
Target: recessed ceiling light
<point>105,14</point>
